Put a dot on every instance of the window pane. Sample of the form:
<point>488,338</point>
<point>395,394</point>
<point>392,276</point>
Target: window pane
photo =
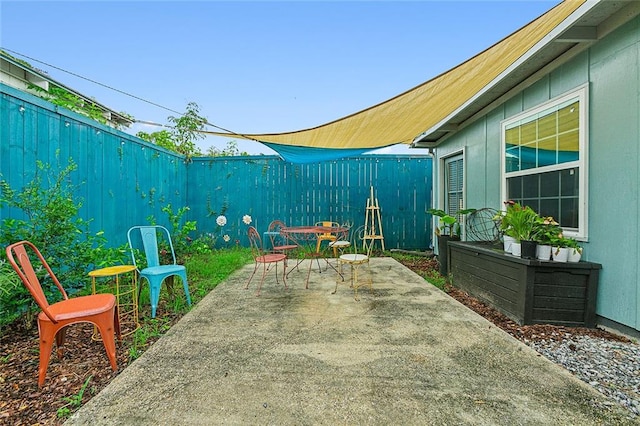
<point>549,185</point>
<point>568,118</point>
<point>530,186</point>
<point>569,182</point>
<point>528,133</point>
<point>547,152</point>
<point>569,213</point>
<point>527,158</point>
<point>514,188</point>
<point>512,159</point>
<point>550,207</point>
<point>547,126</point>
<point>512,136</point>
<point>534,203</point>
<point>569,146</point>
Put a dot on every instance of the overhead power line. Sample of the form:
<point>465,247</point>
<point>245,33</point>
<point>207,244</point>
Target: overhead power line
<point>231,133</point>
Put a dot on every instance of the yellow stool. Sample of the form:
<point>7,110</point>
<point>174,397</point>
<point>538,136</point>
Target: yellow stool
<point>126,297</point>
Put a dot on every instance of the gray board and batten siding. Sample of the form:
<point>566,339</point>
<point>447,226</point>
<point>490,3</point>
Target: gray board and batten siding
<point>609,70</point>
<point>123,180</point>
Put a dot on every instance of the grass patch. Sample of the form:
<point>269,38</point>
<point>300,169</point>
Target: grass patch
<point>204,271</point>
<point>426,267</point>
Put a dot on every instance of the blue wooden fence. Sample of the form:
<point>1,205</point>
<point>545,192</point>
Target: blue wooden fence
<point>125,180</point>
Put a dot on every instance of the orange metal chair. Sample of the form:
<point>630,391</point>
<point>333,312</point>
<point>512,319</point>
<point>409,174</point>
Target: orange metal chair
<point>99,309</point>
<point>326,236</point>
<point>264,259</point>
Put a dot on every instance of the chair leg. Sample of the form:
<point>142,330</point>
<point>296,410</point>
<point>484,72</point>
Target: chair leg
<point>370,279</point>
<point>255,268</point>
<point>154,295</point>
<point>106,325</point>
<point>47,335</point>
<point>354,281</point>
<point>284,273</point>
<point>264,272</point>
<point>60,338</point>
<point>309,273</point>
<point>335,290</point>
<point>183,277</point>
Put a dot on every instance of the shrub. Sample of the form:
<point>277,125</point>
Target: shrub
<point>52,224</point>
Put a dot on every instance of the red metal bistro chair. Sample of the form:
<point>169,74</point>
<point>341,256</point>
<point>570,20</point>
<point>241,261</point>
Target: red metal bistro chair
<point>99,309</point>
<point>281,243</point>
<point>264,259</point>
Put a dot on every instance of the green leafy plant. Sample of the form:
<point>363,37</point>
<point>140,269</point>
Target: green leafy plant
<point>546,230</point>
<point>62,97</point>
<point>230,150</point>
<point>15,299</point>
<point>181,231</point>
<point>573,244</point>
<point>149,332</point>
<point>73,402</point>
<point>183,134</point>
<point>450,224</point>
<point>46,214</point>
<point>519,222</point>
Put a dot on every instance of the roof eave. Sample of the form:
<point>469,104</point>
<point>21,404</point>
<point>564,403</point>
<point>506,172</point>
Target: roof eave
<point>34,76</point>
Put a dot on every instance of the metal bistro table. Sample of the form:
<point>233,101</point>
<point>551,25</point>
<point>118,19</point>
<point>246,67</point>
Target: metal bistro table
<point>305,237</point>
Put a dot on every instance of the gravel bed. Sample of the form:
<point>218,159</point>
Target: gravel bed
<point>613,368</point>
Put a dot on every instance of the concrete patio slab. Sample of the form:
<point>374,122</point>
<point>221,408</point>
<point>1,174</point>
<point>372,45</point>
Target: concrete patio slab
<point>408,354</point>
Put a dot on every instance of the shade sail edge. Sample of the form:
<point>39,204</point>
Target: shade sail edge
<point>405,116</point>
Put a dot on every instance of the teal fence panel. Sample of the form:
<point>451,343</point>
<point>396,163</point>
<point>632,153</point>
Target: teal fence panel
<point>268,188</point>
<point>124,181</point>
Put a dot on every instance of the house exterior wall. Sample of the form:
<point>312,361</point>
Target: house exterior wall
<point>611,69</point>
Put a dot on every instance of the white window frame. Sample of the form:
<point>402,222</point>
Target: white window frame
<point>581,94</point>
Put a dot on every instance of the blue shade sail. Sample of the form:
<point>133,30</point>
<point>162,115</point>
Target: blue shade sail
<point>306,155</point>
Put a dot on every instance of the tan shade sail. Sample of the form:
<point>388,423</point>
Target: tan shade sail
<point>404,117</point>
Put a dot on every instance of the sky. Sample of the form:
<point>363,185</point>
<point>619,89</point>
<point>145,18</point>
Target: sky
<point>253,67</point>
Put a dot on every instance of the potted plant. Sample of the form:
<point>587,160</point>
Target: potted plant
<point>449,225</point>
<point>502,223</point>
<point>560,250</point>
<point>546,230</point>
<point>448,228</point>
<point>575,250</point>
<point>519,223</point>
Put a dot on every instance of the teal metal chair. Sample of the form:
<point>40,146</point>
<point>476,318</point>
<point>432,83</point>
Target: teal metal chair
<point>155,272</point>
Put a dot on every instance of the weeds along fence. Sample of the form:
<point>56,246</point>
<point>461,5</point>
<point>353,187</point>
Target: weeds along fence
<point>125,181</point>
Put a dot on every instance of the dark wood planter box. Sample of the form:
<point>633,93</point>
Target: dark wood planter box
<point>528,291</point>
